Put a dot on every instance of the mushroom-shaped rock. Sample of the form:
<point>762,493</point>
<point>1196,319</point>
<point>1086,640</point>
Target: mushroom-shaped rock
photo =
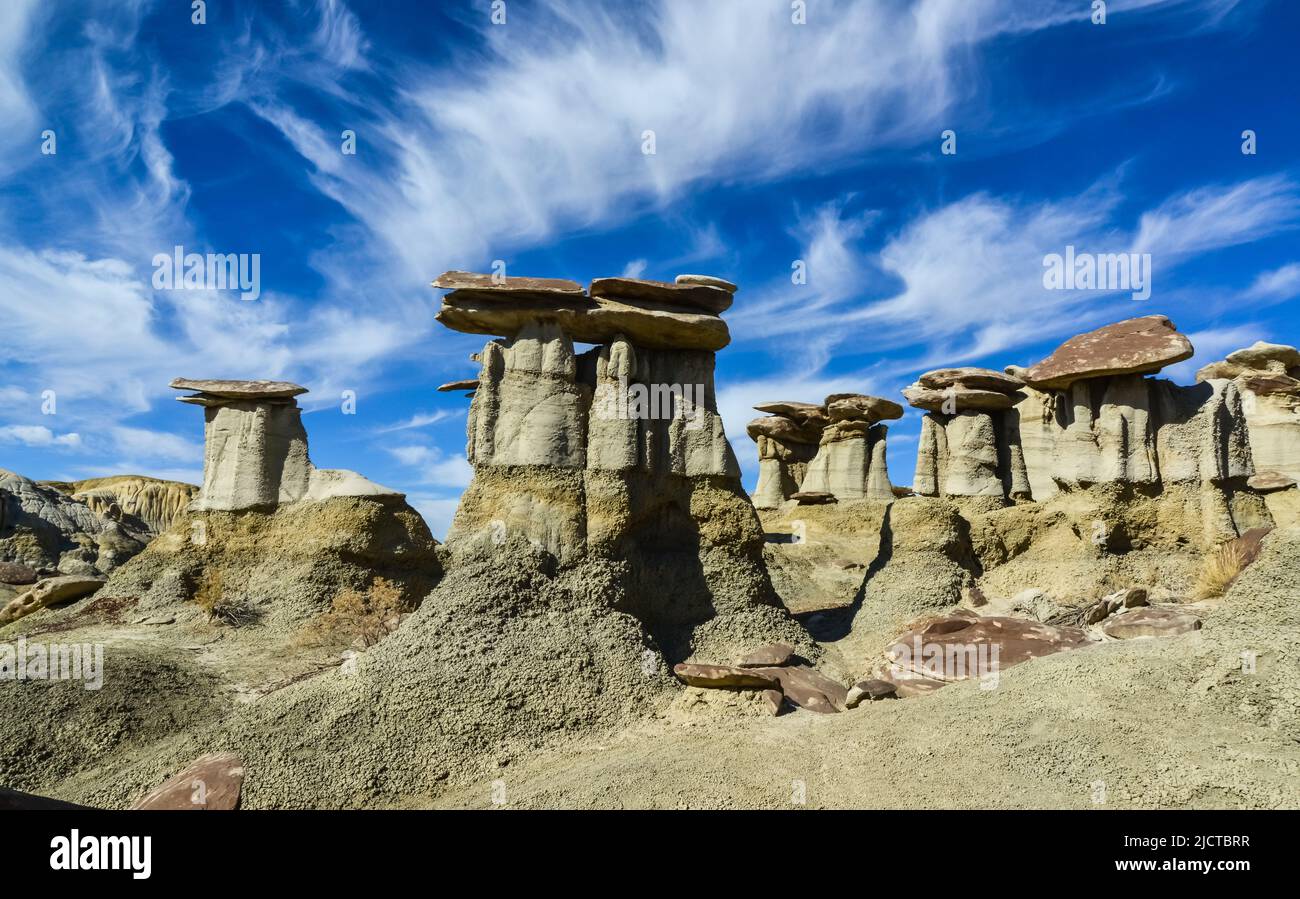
<point>860,407</point>
<point>1263,356</point>
<point>1133,346</point>
<point>637,290</point>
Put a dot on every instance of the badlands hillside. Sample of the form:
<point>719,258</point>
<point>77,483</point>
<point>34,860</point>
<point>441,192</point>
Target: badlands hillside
<point>1088,595</point>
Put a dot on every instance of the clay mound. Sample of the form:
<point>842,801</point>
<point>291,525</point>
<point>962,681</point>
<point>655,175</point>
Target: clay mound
<point>45,529</point>
<point>504,657</point>
<point>284,565</point>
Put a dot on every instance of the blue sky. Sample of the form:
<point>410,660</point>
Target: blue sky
<point>775,142</point>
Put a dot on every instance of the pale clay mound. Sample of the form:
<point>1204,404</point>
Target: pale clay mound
<point>594,550</point>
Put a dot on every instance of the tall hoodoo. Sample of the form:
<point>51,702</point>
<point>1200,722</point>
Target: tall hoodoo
<point>617,452</point>
<point>970,437</point>
<point>787,441</point>
<point>850,463</point>
<point>255,448</point>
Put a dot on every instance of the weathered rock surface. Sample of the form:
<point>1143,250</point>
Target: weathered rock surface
<point>239,390</point>
<point>957,399</point>
<point>804,413</point>
<point>212,783</point>
<point>784,430</point>
<point>971,378</point>
<point>1265,374</point>
<point>14,573</point>
<point>1134,346</point>
<point>466,384</point>
<point>502,287</point>
<point>1152,621</point>
<point>860,407</point>
<point>807,498</point>
<point>156,504</point>
<point>807,688</point>
<point>49,592</point>
<point>636,290</point>
<point>959,647</point>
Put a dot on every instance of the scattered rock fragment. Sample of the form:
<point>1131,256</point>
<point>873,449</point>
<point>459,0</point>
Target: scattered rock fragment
<point>211,783</point>
<point>771,655</point>
<point>725,677</point>
<point>49,592</point>
<point>1150,621</point>
<point>870,691</point>
<point>15,573</point>
<point>807,688</point>
<point>1270,481</point>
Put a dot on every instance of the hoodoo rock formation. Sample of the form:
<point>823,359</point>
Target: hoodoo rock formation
<point>1267,375</point>
<point>269,535</point>
<point>1090,416</point>
<point>823,453</point>
<point>970,434</point>
<point>617,453</point>
<point>255,448</point>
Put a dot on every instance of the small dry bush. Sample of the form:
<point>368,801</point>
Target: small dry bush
<point>210,592</point>
<point>353,615</point>
<point>230,610</point>
<point>1219,569</point>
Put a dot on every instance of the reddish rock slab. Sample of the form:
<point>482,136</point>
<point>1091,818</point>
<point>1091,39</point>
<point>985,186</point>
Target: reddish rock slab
<point>1133,346</point>
<point>501,287</point>
<point>774,700</point>
<point>1263,481</point>
<point>971,378</point>
<point>773,654</point>
<point>1150,621</point>
<point>958,647</point>
<point>239,390</point>
<point>467,384</point>
<point>861,407</point>
<point>807,688</point>
<point>638,290</point>
<point>908,685</point>
<point>725,677</point>
<point>784,430</point>
<point>211,783</point>
<point>705,281</point>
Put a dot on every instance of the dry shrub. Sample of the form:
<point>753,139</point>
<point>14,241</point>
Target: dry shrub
<point>1219,569</point>
<point>354,616</point>
<point>211,591</point>
<point>230,610</point>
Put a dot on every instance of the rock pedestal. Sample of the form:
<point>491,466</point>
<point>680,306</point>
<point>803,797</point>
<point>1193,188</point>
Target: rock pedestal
<point>616,454</point>
<point>970,437</point>
<point>255,448</point>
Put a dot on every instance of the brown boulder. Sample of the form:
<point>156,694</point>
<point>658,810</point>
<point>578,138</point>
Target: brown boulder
<point>773,654</point>
<point>774,700</point>
<point>14,573</point>
<point>212,783</point>
<point>637,290</point>
<point>725,677</point>
<point>1150,621</point>
<point>1134,346</point>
